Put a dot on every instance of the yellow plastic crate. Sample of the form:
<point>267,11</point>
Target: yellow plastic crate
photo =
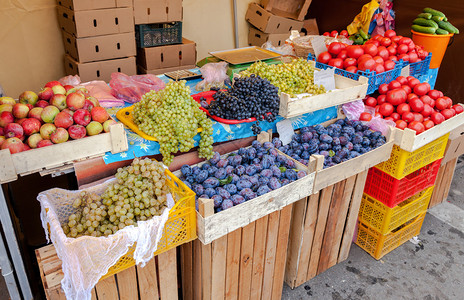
<point>403,163</point>
<point>377,244</point>
<point>384,219</point>
<point>179,229</point>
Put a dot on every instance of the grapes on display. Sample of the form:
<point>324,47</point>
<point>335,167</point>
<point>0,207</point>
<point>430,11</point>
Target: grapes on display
<point>247,176</point>
<point>338,142</point>
<point>293,78</point>
<point>138,194</point>
<point>173,118</point>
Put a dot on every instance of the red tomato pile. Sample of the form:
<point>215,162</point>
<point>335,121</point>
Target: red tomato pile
<point>377,54</point>
<point>410,103</point>
<point>335,33</point>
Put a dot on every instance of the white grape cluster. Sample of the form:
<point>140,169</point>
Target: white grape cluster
<point>173,118</point>
<point>293,78</point>
<point>138,194</point>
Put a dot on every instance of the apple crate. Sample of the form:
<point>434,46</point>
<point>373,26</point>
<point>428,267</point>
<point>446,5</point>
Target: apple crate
<point>58,155</point>
<point>347,90</point>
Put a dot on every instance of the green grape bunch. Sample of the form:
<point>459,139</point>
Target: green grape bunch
<point>292,78</point>
<point>139,193</point>
<point>173,118</point>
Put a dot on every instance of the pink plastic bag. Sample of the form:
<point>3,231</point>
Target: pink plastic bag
<point>132,88</point>
<point>354,109</point>
<point>100,90</point>
<point>70,80</point>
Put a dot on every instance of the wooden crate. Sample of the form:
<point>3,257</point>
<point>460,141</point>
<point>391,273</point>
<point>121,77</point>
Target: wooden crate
<point>347,90</point>
<point>322,229</point>
<point>248,263</point>
<point>443,182</point>
<point>293,9</point>
<point>157,280</point>
<point>408,140</point>
<point>35,160</point>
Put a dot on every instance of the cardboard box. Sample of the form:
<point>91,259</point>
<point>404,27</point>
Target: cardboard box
<point>157,11</point>
<point>100,70</point>
<point>78,5</point>
<point>268,22</point>
<point>310,27</point>
<point>142,70</point>
<point>100,47</point>
<point>167,56</point>
<point>293,9</point>
<point>96,22</point>
<point>258,38</point>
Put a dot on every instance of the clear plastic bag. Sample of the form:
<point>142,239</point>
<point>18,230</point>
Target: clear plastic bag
<point>354,109</point>
<point>215,75</point>
<point>73,80</point>
<point>100,90</point>
<point>86,259</point>
<point>285,49</point>
<point>132,88</point>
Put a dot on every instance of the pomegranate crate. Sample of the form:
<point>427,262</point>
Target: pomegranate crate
<point>391,191</point>
<point>384,219</point>
<point>377,244</point>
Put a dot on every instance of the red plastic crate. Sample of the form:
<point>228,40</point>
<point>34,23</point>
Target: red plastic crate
<point>391,191</point>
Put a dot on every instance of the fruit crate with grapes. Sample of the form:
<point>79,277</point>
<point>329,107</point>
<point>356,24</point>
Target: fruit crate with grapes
<point>346,90</point>
<point>59,155</point>
<point>212,226</point>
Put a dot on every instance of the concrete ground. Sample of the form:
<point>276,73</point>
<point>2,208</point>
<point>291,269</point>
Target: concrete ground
<point>432,269</point>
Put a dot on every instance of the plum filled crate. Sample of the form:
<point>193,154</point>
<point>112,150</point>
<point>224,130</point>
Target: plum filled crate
<point>59,155</point>
<point>347,90</point>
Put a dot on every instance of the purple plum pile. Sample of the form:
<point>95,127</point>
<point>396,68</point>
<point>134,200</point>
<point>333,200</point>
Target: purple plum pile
<point>241,176</point>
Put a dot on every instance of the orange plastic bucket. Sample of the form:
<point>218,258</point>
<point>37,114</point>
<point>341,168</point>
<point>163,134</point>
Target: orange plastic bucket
<point>436,44</point>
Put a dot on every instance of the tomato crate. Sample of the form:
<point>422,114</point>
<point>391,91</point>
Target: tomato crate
<point>421,67</point>
<point>384,219</point>
<point>150,35</point>
<point>403,163</point>
<point>377,244</point>
<point>374,79</point>
<point>391,191</point>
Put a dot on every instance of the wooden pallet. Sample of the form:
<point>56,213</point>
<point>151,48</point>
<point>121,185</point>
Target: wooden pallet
<point>248,263</point>
<point>322,229</point>
<point>157,280</point>
<point>443,182</point>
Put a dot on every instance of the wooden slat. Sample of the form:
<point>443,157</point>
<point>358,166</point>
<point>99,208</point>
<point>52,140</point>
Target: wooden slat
<point>271,245</point>
<point>281,252</point>
<point>295,239</point>
<point>127,284</point>
<point>449,174</point>
<point>46,252</point>
<point>186,251</point>
<point>206,271</point>
<point>94,294</point>
<point>326,196</point>
<point>259,251</point>
<point>197,290</point>
<point>218,268</point>
<point>352,216</point>
<point>307,240</point>
<point>437,195</point>
<point>148,281</point>
<point>51,264</point>
<point>55,294</point>
<point>167,266</point>
<point>333,215</point>
<point>107,289</point>
<point>246,261</point>
<point>233,264</point>
<point>54,279</point>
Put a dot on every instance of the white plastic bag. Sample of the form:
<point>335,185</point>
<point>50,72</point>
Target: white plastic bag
<point>86,259</point>
<point>73,80</point>
<point>215,75</point>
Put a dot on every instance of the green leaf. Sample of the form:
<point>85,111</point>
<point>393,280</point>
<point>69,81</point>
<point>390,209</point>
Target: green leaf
<point>226,180</point>
<point>232,154</point>
<point>282,169</point>
<point>331,153</point>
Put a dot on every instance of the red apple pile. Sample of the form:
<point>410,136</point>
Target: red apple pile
<point>412,104</point>
<point>54,115</point>
<point>377,54</point>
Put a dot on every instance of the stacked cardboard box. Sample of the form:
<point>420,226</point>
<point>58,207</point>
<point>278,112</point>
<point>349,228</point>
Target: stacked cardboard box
<point>160,45</point>
<point>98,37</point>
<point>274,20</point>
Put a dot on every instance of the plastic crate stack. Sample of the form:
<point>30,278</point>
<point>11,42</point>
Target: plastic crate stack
<point>396,197</point>
<point>98,38</point>
<point>158,32</point>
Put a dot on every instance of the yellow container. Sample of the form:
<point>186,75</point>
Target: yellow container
<point>377,244</point>
<point>179,229</point>
<point>384,219</point>
<point>403,163</point>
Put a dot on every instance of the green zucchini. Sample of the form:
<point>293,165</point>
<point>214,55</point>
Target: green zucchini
<point>437,18</point>
<point>441,31</point>
<point>423,29</point>
<point>426,23</point>
<point>448,27</point>
<point>434,12</point>
<point>426,16</point>
<point>362,34</point>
